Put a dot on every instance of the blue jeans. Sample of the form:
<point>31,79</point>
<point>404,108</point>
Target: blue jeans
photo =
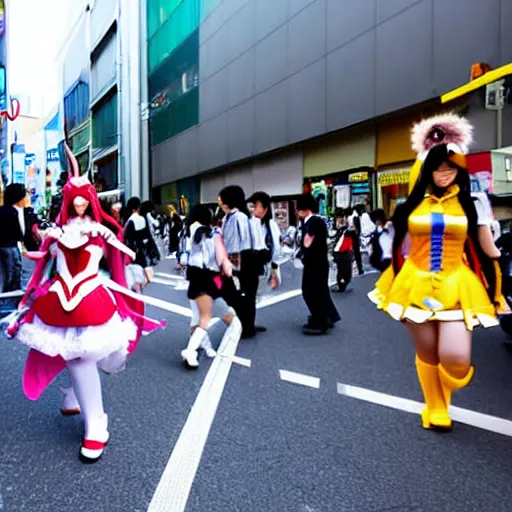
<point>10,261</point>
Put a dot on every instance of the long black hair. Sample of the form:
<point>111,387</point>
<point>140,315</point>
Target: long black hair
<point>204,216</point>
<point>437,156</point>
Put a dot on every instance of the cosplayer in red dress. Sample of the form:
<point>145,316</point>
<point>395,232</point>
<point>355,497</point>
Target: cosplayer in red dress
<point>79,319</point>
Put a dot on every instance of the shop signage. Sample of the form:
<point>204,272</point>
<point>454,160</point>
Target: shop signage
<point>388,178</point>
<point>358,177</point>
<point>2,17</point>
<point>52,155</point>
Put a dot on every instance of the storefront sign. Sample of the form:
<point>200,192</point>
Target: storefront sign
<point>52,155</point>
<point>358,177</point>
<point>281,214</point>
<point>389,178</point>
<point>2,17</point>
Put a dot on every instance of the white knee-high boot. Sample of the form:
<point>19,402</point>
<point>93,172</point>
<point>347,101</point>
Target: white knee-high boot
<point>86,382</point>
<point>189,355</point>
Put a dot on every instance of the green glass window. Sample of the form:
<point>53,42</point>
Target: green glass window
<point>178,26</point>
<point>104,123</point>
<point>159,12</point>
<point>175,117</point>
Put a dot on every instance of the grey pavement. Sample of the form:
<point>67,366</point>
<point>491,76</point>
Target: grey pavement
<point>273,445</point>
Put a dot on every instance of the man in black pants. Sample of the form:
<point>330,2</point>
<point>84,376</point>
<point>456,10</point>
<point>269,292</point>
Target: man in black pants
<point>315,278</point>
<point>12,234</point>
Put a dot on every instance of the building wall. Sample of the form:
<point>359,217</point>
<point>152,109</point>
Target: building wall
<point>274,73</point>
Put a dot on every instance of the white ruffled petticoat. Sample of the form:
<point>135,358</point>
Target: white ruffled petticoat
<point>107,343</point>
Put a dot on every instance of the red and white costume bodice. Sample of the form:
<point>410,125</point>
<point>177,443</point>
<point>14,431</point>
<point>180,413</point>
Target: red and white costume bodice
<point>76,296</point>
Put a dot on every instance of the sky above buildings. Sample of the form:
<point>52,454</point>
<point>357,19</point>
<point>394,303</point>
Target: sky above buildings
<point>37,30</point>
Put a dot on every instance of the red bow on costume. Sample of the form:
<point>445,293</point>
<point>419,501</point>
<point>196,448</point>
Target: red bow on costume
<point>15,107</point>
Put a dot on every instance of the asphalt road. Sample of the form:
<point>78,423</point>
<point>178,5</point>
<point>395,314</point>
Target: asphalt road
<point>273,445</point>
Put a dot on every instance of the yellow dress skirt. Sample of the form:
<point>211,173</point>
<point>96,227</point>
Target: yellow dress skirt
<point>435,281</point>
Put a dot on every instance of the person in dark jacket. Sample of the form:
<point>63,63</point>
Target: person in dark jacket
<point>12,221</point>
<point>315,278</point>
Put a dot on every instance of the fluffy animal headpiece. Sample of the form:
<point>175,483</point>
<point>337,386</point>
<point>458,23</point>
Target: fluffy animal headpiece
<point>442,129</point>
<point>450,129</point>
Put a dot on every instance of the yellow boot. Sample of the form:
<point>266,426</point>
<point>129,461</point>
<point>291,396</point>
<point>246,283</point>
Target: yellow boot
<point>450,383</point>
<point>435,416</point>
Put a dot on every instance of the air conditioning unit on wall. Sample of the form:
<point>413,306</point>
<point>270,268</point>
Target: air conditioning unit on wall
<point>495,95</point>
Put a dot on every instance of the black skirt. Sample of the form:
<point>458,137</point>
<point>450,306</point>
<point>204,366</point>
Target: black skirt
<point>201,281</point>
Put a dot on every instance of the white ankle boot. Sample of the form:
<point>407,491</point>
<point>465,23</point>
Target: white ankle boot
<point>70,405</point>
<point>189,355</point>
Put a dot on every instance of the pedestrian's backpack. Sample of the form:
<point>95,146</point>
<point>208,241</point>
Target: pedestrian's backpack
<point>376,255</point>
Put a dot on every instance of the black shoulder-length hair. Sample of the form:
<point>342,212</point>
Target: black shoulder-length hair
<point>425,183</point>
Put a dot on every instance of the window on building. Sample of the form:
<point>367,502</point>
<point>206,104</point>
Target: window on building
<point>105,174</point>
<point>175,117</point>
<point>83,162</point>
<point>182,21</point>
<point>104,123</point>
<point>76,105</point>
<point>174,92</point>
<point>3,91</point>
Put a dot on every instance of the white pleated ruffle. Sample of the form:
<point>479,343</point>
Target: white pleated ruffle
<point>107,344</point>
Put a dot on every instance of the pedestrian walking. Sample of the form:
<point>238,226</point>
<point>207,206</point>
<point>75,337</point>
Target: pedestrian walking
<point>139,239</point>
<point>12,234</point>
<point>208,270</point>
<point>381,242</point>
<point>315,277</point>
<point>343,254</point>
<point>76,319</point>
<point>448,283</point>
<point>266,240</point>
<point>238,239</point>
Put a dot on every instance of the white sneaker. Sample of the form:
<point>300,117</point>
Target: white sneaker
<point>190,358</point>
<point>94,443</point>
<point>70,405</point>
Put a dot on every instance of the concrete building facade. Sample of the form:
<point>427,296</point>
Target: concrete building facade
<point>281,94</point>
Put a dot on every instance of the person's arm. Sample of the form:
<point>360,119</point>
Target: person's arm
<point>484,220</point>
<point>275,232</point>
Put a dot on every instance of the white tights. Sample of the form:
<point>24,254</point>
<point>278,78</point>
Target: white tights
<point>85,379</point>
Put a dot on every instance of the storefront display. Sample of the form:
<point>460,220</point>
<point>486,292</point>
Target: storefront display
<point>281,214</point>
<point>360,191</point>
<point>393,188</point>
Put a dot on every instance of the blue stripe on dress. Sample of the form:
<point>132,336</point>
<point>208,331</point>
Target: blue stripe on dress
<point>436,242</point>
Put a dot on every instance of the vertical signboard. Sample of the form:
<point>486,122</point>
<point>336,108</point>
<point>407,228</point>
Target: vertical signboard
<point>18,163</point>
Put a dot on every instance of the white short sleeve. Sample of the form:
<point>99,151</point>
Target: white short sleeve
<point>483,209</point>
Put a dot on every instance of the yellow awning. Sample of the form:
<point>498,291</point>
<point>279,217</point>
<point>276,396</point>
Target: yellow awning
<point>488,78</point>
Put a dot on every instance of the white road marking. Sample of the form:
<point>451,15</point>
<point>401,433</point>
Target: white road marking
<point>169,276</point>
<point>471,418</point>
<point>173,490</point>
<point>169,306</point>
<point>299,378</point>
<point>270,300</point>
<point>241,361</point>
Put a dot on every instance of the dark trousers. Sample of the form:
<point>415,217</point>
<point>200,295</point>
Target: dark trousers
<point>315,290</point>
<point>10,261</point>
<point>357,253</point>
<point>243,301</point>
<point>343,262</point>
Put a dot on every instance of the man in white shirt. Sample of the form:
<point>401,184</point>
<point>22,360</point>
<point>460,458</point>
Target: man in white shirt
<point>266,239</point>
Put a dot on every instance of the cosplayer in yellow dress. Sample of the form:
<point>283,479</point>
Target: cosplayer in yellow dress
<point>448,282</point>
